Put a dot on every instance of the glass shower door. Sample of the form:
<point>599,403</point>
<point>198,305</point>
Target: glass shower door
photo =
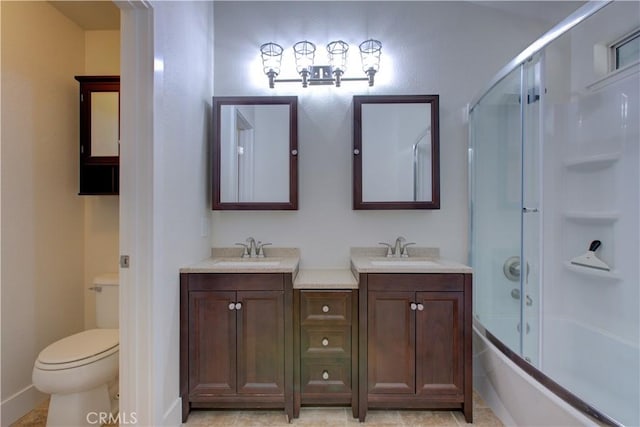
<point>496,227</point>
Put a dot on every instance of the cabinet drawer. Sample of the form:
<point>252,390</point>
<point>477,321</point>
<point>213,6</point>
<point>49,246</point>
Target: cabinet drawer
<point>325,341</point>
<point>235,282</point>
<point>326,375</point>
<point>332,307</point>
<point>435,282</point>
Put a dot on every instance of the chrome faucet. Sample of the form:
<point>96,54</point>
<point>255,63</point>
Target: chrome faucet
<point>251,249</point>
<point>399,250</point>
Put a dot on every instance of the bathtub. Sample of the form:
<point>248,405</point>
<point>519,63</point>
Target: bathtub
<point>514,395</point>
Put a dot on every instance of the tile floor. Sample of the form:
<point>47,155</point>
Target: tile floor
<point>314,417</point>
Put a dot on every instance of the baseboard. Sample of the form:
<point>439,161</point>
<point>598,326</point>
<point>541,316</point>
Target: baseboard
<point>173,415</point>
<point>21,403</point>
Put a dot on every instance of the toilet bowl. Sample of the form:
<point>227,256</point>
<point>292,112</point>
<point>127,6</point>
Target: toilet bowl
<point>78,371</point>
<point>81,371</point>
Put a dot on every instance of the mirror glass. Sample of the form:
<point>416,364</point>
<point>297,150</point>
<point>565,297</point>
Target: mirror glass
<point>255,153</point>
<point>396,152</point>
<point>104,124</point>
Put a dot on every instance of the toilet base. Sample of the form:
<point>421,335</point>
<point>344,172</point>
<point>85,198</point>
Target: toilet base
<point>87,408</point>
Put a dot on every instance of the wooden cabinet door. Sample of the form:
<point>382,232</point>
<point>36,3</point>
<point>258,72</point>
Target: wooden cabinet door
<point>212,344</point>
<point>439,343</point>
<point>391,342</point>
<point>260,342</point>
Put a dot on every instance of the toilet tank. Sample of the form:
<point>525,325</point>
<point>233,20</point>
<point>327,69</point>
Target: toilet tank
<point>107,298</point>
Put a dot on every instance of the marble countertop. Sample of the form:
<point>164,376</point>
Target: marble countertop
<point>420,260</point>
<point>228,260</point>
<point>325,279</point>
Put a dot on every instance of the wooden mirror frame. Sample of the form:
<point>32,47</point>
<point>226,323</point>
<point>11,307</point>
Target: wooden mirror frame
<point>292,102</point>
<point>358,101</point>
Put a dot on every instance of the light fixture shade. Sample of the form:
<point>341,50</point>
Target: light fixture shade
<point>338,55</point>
<point>304,52</point>
<point>370,51</point>
<point>271,58</point>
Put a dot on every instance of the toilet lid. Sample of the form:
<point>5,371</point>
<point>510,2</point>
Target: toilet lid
<point>83,345</point>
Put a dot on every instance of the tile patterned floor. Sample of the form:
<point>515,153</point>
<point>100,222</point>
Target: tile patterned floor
<point>336,417</point>
<point>314,417</point>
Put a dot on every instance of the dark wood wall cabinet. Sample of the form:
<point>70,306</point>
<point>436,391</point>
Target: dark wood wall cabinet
<point>99,135</point>
<point>326,348</point>
<point>415,342</point>
<point>236,348</point>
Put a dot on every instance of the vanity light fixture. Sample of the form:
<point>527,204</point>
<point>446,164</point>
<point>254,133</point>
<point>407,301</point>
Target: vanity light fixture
<point>311,74</point>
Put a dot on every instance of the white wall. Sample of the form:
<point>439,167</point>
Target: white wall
<point>446,48</point>
<point>101,220</point>
<point>42,215</point>
<point>183,87</point>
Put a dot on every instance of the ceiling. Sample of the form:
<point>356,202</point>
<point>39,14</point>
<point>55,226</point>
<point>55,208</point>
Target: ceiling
<point>90,15</point>
<point>105,15</point>
<point>546,12</point>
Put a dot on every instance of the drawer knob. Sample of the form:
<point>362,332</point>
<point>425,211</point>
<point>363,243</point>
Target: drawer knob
<point>325,375</point>
<point>325,308</point>
<point>232,306</point>
<point>325,342</point>
<point>420,307</point>
<point>413,306</point>
<point>238,305</point>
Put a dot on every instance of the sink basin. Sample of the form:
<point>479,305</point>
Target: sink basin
<point>404,263</point>
<point>248,263</point>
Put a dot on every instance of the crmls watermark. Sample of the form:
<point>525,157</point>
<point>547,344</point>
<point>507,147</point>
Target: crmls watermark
<point>119,418</point>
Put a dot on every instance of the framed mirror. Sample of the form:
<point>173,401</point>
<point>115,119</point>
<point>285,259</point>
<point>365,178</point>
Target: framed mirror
<point>255,153</point>
<point>396,152</point>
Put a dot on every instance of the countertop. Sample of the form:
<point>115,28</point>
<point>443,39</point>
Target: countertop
<point>228,260</point>
<point>325,279</point>
<point>420,260</point>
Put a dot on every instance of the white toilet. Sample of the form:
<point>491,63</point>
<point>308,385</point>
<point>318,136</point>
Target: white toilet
<point>81,371</point>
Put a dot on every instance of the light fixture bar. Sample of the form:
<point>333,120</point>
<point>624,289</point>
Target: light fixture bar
<point>310,74</point>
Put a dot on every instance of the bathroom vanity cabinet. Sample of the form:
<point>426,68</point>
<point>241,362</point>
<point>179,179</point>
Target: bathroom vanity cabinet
<point>415,341</point>
<point>236,348</point>
<point>326,348</point>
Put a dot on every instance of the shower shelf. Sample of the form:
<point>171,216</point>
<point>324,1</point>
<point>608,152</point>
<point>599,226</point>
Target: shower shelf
<point>587,217</point>
<point>592,272</point>
<point>592,163</point>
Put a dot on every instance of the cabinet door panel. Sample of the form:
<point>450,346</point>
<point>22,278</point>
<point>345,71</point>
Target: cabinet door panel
<point>261,342</point>
<point>391,343</point>
<point>212,343</point>
<point>440,343</point>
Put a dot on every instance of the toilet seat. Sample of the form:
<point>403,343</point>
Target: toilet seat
<point>78,350</point>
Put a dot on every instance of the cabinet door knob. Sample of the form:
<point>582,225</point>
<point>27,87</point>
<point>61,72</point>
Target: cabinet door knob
<point>325,375</point>
<point>325,308</point>
<point>413,306</point>
<point>420,307</point>
<point>238,305</point>
<point>232,306</point>
<point>325,342</point>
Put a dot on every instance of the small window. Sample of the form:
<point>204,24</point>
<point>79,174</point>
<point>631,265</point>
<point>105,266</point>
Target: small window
<point>626,51</point>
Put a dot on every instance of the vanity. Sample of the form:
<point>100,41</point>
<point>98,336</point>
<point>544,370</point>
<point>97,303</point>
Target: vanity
<point>390,332</point>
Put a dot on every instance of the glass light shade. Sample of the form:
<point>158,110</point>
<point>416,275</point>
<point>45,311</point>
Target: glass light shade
<point>370,51</point>
<point>304,52</point>
<point>338,55</point>
<point>271,58</point>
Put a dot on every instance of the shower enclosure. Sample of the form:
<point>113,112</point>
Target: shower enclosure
<point>554,159</point>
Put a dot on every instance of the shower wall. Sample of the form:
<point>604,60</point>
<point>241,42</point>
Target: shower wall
<point>591,162</point>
